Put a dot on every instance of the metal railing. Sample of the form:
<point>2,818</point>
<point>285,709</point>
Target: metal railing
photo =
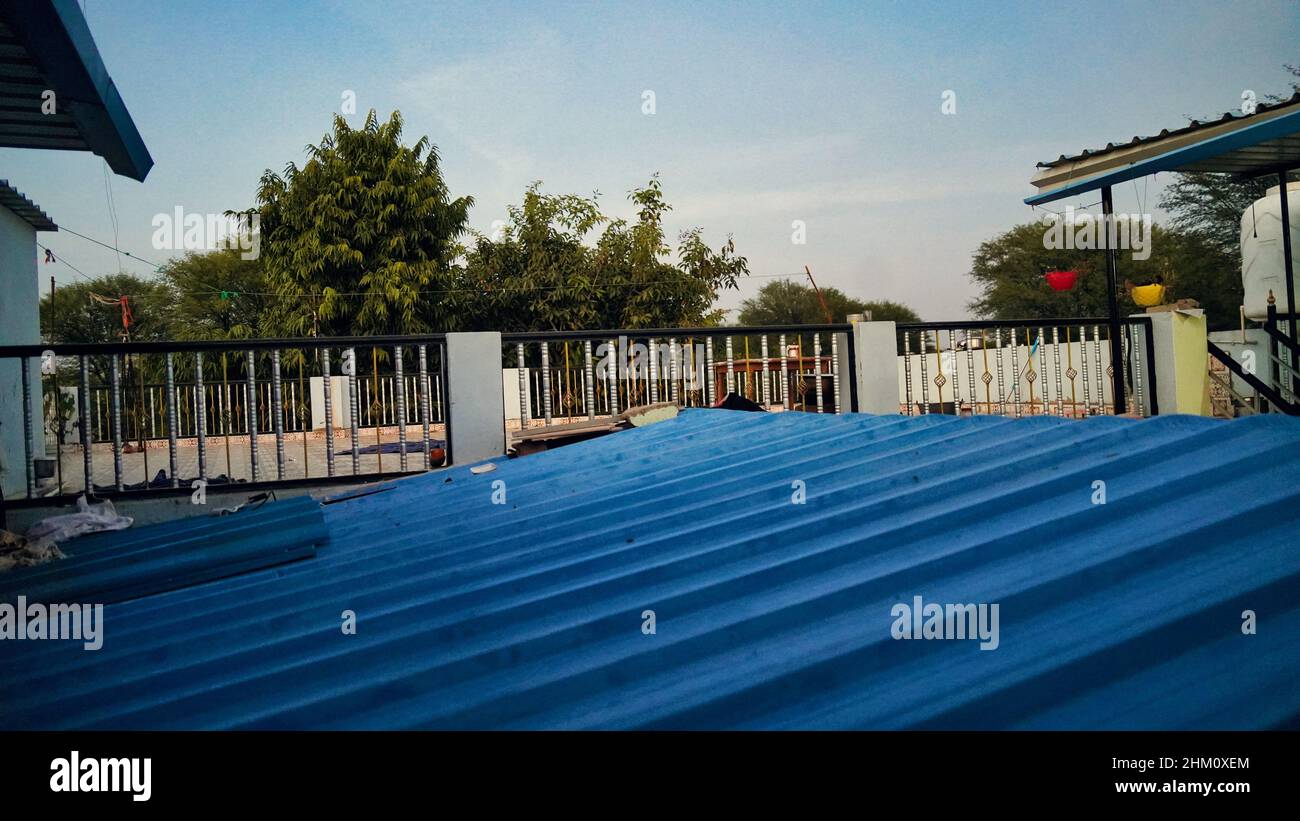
<point>1238,388</point>
<point>1059,367</point>
<point>571,376</point>
<point>163,416</point>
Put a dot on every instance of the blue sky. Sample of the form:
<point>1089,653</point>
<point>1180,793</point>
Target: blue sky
<point>827,113</point>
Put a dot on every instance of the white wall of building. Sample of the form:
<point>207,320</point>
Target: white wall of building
<point>19,325</point>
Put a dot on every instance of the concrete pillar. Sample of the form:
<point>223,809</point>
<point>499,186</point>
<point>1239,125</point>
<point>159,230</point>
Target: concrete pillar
<point>875,348</point>
<point>476,425</point>
<point>1182,374</point>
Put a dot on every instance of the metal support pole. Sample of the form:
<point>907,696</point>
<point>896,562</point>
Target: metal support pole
<point>1287,259</point>
<point>1112,303</point>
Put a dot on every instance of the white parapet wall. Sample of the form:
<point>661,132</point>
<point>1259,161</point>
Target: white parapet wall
<point>19,325</point>
<point>875,346</point>
<point>1182,373</point>
<point>476,428</point>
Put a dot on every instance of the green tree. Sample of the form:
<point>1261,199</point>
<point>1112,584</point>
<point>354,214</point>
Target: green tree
<point>217,295</point>
<point>785,302</point>
<point>360,239</point>
<point>1008,271</point>
<point>79,313</point>
<point>540,273</point>
<point>89,312</point>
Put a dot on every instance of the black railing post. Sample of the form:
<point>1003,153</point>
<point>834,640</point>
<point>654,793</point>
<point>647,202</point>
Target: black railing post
<point>1112,304</point>
<point>1287,259</point>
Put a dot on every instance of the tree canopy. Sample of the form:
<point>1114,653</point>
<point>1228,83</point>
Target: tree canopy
<point>1008,270</point>
<point>542,272</point>
<point>355,240</point>
<point>784,302</point>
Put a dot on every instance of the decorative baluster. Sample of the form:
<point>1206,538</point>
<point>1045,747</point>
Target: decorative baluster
<point>1002,390</point>
<point>766,393</point>
<point>171,419</point>
<point>611,376</point>
<point>785,373</point>
<point>28,427</point>
<point>817,370</point>
<point>1101,382</point>
<point>654,372</point>
<point>956,373</point>
<point>423,393</point>
<point>907,372</point>
<point>328,390</point>
<point>546,382</point>
<point>588,379</point>
<point>354,406</point>
<point>731,369</point>
<point>835,371</point>
<point>1015,373</point>
<point>925,377</point>
<point>1083,369</point>
<point>709,387</point>
<point>674,372</point>
<point>399,397</point>
<point>85,398</point>
<point>201,414</point>
<point>1056,364</point>
<point>116,378</point>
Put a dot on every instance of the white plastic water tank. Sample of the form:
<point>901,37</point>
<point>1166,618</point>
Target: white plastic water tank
<point>1261,251</point>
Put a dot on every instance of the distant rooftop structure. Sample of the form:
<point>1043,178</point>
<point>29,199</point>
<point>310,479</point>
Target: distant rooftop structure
<point>46,46</point>
<point>767,613</point>
<point>26,210</point>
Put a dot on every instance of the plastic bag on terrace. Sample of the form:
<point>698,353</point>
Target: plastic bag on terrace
<point>88,519</point>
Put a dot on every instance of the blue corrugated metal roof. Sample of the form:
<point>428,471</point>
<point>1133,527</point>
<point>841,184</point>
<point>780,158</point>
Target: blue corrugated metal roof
<point>769,614</point>
<point>119,565</point>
